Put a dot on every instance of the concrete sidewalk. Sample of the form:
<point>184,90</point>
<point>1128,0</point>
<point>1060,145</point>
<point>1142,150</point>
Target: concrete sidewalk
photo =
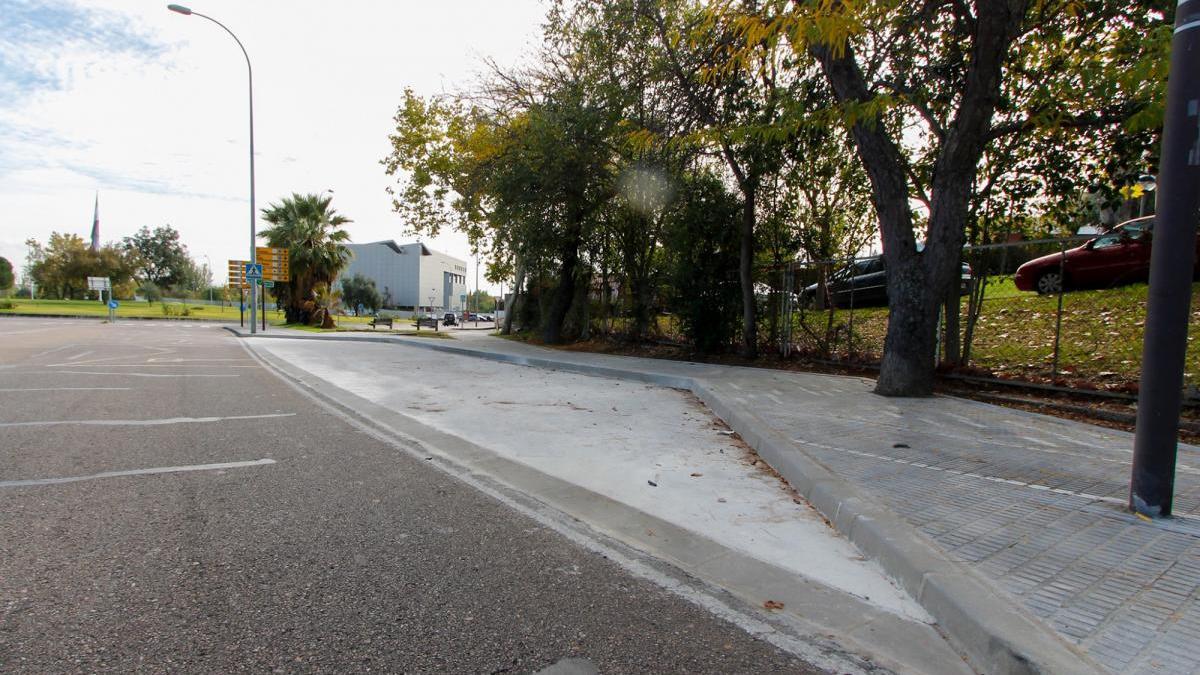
<point>1008,527</point>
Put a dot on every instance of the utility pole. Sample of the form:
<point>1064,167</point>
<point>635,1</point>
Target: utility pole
<point>1172,260</point>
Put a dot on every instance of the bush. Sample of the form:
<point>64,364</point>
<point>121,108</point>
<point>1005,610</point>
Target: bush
<point>703,270</point>
<point>152,293</point>
<point>175,309</point>
<point>7,304</point>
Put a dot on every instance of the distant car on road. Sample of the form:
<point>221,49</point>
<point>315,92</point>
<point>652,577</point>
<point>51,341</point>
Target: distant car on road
<point>449,320</point>
<point>1119,256</point>
<point>863,283</point>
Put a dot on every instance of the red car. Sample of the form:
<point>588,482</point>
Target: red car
<point>1119,256</point>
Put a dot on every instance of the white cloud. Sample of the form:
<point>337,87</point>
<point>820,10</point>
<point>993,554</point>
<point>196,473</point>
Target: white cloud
<point>159,125</point>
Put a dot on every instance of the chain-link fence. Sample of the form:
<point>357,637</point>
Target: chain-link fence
<point>1067,311</point>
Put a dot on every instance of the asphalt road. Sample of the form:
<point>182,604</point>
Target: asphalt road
<point>292,541</point>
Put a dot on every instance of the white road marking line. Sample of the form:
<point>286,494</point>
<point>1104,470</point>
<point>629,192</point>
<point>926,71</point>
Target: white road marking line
<point>147,365</point>
<point>992,479</point>
<point>966,420</point>
<point>158,360</point>
<point>69,389</point>
<point>143,423</point>
<point>135,472</point>
<point>89,372</point>
<point>1031,439</point>
<point>51,351</point>
<point>80,355</point>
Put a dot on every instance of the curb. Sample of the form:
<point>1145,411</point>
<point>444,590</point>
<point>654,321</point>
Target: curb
<point>997,634</point>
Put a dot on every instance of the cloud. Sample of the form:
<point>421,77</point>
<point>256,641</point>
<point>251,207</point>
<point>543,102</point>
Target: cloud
<point>31,33</point>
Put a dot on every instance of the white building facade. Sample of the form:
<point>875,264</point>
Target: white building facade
<point>411,275</point>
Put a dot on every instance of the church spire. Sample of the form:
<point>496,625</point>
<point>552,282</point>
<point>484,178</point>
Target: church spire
<point>96,224</point>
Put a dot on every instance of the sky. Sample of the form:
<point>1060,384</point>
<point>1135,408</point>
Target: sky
<point>149,109</point>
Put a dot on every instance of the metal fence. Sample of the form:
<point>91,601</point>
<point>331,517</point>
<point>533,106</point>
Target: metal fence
<point>1074,321</point>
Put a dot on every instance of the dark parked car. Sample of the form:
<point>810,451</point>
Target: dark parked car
<point>1119,256</point>
<point>863,283</point>
<point>449,320</point>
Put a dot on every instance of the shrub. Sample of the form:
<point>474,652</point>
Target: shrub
<point>7,304</point>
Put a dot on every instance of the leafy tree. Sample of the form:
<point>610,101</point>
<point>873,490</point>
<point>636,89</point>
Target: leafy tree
<point>926,88</point>
<point>61,268</point>
<point>163,259</point>
<point>150,291</point>
<point>6,274</point>
<point>359,290</point>
<point>312,232</point>
<point>481,301</point>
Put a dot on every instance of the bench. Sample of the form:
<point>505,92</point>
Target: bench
<point>381,321</point>
<point>428,321</point>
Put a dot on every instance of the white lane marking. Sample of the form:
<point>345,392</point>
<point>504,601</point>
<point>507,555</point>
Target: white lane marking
<point>147,365</point>
<point>142,423</point>
<point>89,372</point>
<point>80,355</point>
<point>561,524</point>
<point>177,360</point>
<point>965,420</point>
<point>135,472</point>
<point>21,332</point>
<point>51,351</point>
<point>992,479</point>
<point>69,389</point>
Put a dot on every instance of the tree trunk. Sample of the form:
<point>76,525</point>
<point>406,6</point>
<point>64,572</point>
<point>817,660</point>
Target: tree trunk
<point>746,273</point>
<point>552,321</point>
<point>916,283</point>
<point>951,344</point>
<point>511,307</point>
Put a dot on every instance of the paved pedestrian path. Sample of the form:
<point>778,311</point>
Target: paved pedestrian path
<point>1009,527</point>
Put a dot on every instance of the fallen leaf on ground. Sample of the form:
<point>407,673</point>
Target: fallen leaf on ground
<point>773,605</point>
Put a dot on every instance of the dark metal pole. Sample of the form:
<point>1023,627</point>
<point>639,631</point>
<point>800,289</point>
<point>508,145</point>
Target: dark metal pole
<point>263,293</point>
<point>1152,483</point>
<point>242,307</point>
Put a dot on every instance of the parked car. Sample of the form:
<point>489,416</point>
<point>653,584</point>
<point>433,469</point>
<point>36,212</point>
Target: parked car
<point>863,283</point>
<point>449,320</point>
<point>1119,256</point>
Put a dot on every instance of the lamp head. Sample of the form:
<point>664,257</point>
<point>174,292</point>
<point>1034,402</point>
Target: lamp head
<point>180,9</point>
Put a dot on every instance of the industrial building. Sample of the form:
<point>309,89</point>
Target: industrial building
<point>411,276</point>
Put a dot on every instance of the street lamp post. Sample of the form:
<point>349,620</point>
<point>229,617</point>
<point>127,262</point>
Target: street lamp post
<point>180,9</point>
<point>208,277</point>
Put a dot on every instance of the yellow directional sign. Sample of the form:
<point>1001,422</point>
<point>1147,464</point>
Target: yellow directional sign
<point>274,262</point>
<point>237,273</point>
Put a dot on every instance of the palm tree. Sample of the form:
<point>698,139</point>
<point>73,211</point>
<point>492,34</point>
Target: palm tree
<point>312,232</point>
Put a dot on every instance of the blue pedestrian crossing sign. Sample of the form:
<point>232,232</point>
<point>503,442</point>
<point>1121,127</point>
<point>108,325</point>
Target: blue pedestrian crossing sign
<point>253,270</point>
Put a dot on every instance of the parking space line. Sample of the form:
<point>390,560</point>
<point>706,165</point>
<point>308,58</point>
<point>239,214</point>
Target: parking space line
<point>135,472</point>
<point>68,389</point>
<point>142,423</point>
<point>89,372</point>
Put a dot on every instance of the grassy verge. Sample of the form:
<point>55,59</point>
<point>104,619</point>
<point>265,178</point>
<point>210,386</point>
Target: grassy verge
<point>1101,337</point>
<point>147,310</point>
